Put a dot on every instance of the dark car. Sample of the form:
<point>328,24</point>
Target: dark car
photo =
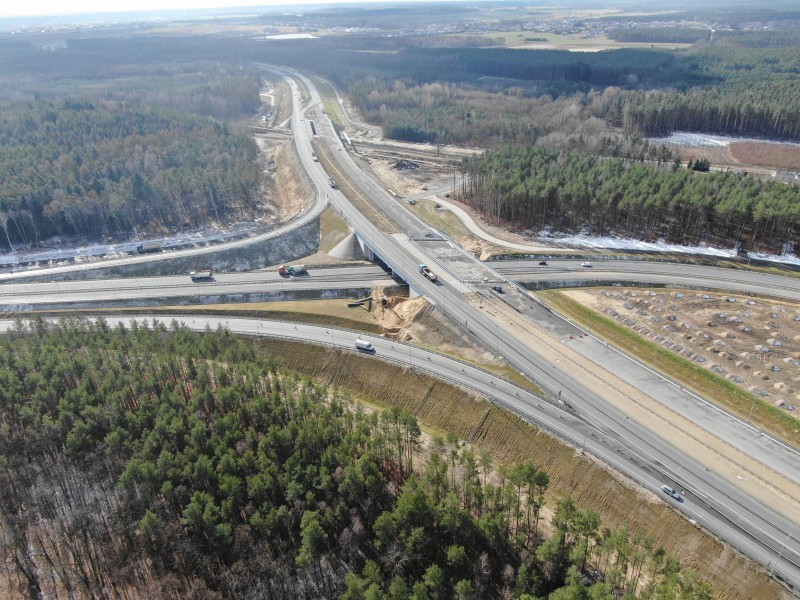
<point>542,263</point>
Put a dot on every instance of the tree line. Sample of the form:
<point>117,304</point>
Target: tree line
<point>445,113</point>
<point>752,91</point>
<point>89,167</point>
<point>157,461</point>
<point>537,188</point>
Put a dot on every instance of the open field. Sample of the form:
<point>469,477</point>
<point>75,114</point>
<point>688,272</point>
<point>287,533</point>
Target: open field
<point>779,156</point>
<point>543,40</point>
<point>722,358</point>
<point>750,156</point>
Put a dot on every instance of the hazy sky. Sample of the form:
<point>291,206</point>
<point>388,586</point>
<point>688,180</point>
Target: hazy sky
<point>10,8</point>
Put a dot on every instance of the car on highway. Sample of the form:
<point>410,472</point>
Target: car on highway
<point>542,263</point>
<point>586,264</point>
<point>672,493</point>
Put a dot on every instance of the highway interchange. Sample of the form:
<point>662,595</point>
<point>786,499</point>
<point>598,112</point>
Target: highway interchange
<point>463,294</point>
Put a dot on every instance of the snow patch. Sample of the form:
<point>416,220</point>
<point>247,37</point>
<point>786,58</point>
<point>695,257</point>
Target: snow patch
<point>614,243</point>
<point>693,140</point>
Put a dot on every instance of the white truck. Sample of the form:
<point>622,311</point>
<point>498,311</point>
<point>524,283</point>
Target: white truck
<point>204,275</point>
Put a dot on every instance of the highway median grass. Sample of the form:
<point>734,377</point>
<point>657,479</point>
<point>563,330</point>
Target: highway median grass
<point>330,102</point>
<point>441,219</point>
<point>360,201</point>
<point>332,229</point>
<point>707,384</point>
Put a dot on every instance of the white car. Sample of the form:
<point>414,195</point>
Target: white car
<point>586,264</point>
<point>672,493</point>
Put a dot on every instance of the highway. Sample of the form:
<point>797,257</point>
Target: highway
<point>29,296</point>
<point>557,272</point>
<point>755,529</point>
<point>651,272</point>
<point>402,241</point>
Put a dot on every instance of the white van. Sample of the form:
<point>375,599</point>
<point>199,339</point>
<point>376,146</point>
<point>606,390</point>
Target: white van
<point>365,346</point>
<point>671,492</point>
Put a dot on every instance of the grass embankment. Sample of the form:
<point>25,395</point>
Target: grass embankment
<point>441,219</point>
<point>332,229</point>
<point>330,103</point>
<point>709,385</point>
<point>442,407</point>
<point>328,313</point>
<point>758,268</point>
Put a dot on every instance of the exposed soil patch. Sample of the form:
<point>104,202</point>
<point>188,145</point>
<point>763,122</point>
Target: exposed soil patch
<point>779,156</point>
<point>716,155</point>
<point>414,320</point>
<point>292,192</point>
<point>755,157</point>
<point>403,181</point>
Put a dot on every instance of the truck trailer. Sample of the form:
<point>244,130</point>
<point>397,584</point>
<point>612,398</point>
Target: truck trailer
<point>204,275</point>
<point>147,247</point>
<point>292,270</point>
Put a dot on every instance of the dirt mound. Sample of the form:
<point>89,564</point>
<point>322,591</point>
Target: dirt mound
<point>414,320</point>
<point>395,313</point>
<point>405,165</point>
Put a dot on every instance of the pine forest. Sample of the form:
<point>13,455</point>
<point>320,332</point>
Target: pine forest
<point>163,463</point>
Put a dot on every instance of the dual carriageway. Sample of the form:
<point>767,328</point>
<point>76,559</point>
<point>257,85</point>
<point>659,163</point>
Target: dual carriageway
<point>574,406</point>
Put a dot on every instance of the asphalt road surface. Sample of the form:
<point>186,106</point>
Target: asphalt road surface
<point>27,296</point>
